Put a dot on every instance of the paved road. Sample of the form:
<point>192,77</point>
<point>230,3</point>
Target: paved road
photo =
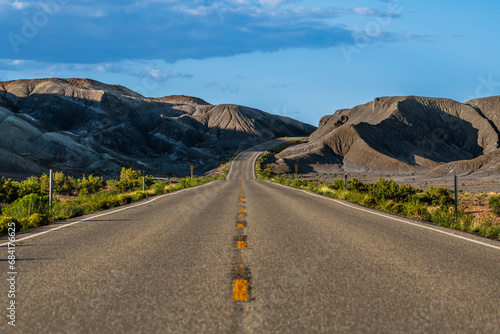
<point>299,264</point>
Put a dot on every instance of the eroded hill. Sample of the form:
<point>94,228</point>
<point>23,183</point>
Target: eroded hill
<point>405,134</point>
<point>81,125</point>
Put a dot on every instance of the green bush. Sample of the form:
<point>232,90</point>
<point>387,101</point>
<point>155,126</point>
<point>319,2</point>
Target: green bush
<point>28,205</point>
<point>35,220</point>
<point>356,184</point>
<point>64,184</point>
<point>495,205</point>
<point>31,185</point>
<point>390,190</point>
<point>437,196</point>
<point>398,208</point>
<point>130,180</point>
<point>312,187</point>
<point>9,191</point>
<point>4,224</point>
<point>283,180</point>
<point>369,201</point>
<point>124,199</point>
<point>129,174</point>
<point>139,195</point>
<point>338,184</point>
<point>90,185</point>
<point>298,183</point>
<point>159,188</point>
<point>67,210</point>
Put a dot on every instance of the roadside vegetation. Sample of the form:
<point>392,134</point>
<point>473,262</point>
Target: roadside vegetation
<point>435,205</point>
<point>26,203</point>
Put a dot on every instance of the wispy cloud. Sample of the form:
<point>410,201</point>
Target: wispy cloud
<point>280,85</point>
<point>20,5</point>
<point>173,29</point>
<point>220,87</point>
<point>138,68</point>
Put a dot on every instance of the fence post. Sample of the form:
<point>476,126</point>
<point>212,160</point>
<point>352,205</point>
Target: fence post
<point>456,193</point>
<point>50,189</point>
<point>345,180</point>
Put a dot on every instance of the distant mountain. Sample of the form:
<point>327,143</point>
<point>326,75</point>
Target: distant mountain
<point>81,125</point>
<point>405,134</point>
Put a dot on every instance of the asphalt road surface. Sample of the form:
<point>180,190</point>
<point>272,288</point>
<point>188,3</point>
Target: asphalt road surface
<point>249,256</point>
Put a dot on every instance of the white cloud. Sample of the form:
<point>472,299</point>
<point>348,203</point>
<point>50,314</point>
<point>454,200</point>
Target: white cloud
<point>363,11</point>
<point>19,5</point>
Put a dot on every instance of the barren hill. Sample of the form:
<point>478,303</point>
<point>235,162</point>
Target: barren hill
<point>404,134</point>
<point>82,125</point>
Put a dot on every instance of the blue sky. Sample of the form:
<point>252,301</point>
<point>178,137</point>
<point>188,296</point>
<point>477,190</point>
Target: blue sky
<point>302,59</point>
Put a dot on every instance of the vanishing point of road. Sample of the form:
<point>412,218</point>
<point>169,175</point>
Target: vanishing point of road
<point>249,256</point>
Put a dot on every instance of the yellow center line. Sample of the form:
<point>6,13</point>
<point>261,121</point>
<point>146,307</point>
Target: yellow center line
<point>242,244</point>
<point>240,225</point>
<point>242,215</point>
<point>242,208</point>
<point>240,290</point>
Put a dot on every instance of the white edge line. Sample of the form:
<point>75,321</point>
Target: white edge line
<point>386,216</point>
<point>103,214</point>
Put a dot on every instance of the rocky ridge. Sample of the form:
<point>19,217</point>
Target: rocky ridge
<point>84,126</point>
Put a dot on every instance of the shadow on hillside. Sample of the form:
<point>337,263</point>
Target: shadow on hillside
<point>129,131</point>
<point>433,135</point>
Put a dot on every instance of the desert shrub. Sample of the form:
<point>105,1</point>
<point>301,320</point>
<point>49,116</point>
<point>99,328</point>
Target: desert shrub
<point>28,205</point>
<point>398,208</point>
<point>184,183</point>
<point>267,172</point>
<point>390,190</point>
<point>443,217</point>
<point>130,174</point>
<point>5,221</point>
<point>494,205</point>
<point>9,191</point>
<point>369,201</point>
<point>283,180</point>
<point>124,199</point>
<point>492,231</point>
<point>35,220</point>
<point>298,183</point>
<point>64,184</point>
<point>90,185</point>
<point>128,185</point>
<point>356,184</point>
<point>31,185</point>
<point>356,197</point>
<point>130,180</point>
<point>437,196</point>
<point>67,210</point>
<point>113,185</point>
<point>387,206</point>
<point>338,184</point>
<point>159,188</point>
<point>312,187</point>
<point>139,195</point>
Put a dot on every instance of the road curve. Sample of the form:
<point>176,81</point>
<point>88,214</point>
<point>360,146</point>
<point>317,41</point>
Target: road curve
<point>249,256</point>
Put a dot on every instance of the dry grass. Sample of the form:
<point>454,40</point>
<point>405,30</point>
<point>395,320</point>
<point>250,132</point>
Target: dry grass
<point>477,206</point>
